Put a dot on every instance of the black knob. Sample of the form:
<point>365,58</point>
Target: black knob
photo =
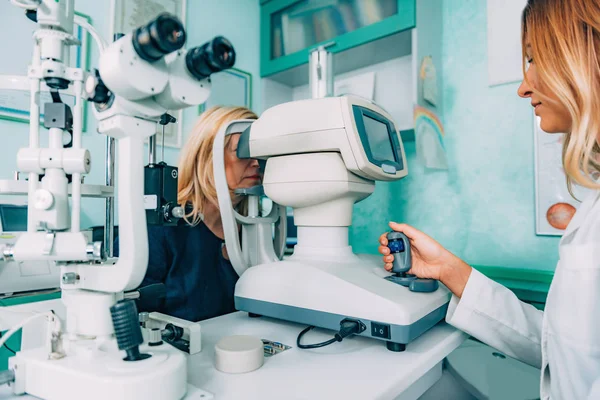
<point>172,332</point>
<point>96,90</point>
<point>151,297</point>
<point>31,15</point>
<point>127,329</point>
<point>57,83</point>
<point>167,119</point>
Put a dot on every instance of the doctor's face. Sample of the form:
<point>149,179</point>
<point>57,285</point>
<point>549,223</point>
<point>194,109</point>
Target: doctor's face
<point>241,174</point>
<point>554,116</point>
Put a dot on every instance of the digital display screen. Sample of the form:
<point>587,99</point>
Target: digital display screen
<point>14,218</point>
<point>379,139</point>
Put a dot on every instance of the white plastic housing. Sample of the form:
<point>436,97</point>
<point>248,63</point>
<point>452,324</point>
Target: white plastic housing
<point>56,216</point>
<point>88,313</point>
<point>147,109</point>
<point>192,331</point>
<point>320,125</point>
<point>127,75</point>
<point>37,159</point>
<point>99,374</point>
<point>183,89</point>
<point>257,233</point>
<point>65,246</point>
<point>57,14</point>
<point>338,282</point>
<point>317,186</point>
<point>127,273</point>
<point>53,56</point>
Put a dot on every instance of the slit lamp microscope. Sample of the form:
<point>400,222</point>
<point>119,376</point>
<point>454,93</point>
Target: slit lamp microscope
<point>98,352</point>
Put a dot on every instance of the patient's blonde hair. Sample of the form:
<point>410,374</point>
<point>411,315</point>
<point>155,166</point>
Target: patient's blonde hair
<point>565,45</point>
<point>196,186</point>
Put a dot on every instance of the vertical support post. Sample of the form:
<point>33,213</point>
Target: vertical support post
<point>109,171</point>
<point>34,135</point>
<point>76,178</point>
<point>109,221</point>
<point>321,72</point>
<point>152,150</point>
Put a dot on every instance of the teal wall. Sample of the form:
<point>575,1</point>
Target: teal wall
<point>238,20</point>
<point>482,208</point>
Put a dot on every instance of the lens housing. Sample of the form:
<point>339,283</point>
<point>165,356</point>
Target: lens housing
<point>161,36</point>
<point>211,57</point>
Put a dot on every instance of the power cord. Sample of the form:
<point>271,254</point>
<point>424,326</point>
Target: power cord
<point>347,327</point>
<point>50,317</point>
<point>6,346</point>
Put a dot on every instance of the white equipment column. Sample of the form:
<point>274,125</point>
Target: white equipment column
<point>320,72</point>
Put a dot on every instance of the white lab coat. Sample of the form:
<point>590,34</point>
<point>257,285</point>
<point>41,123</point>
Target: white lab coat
<point>564,341</point>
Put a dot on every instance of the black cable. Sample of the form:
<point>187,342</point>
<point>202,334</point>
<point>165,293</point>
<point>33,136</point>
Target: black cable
<point>7,348</point>
<point>347,327</point>
<point>5,345</point>
<point>312,346</point>
<point>55,96</point>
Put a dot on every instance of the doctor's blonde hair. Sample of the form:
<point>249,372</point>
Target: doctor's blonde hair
<point>565,44</point>
<point>196,185</point>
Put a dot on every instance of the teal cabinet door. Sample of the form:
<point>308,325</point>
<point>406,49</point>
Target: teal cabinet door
<point>291,28</point>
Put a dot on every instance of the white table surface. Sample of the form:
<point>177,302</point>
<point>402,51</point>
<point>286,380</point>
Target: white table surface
<point>356,368</point>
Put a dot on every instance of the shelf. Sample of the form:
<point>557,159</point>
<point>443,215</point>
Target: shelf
<point>384,49</point>
<point>20,188</point>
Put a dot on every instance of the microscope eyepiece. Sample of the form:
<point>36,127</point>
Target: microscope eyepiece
<point>211,57</point>
<point>161,36</point>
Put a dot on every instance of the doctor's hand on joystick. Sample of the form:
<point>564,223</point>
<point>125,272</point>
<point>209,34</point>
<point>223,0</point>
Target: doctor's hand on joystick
<point>416,260</point>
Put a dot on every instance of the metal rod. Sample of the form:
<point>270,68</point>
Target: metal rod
<point>7,376</point>
<point>152,150</point>
<point>34,135</point>
<point>321,73</point>
<point>109,171</point>
<point>109,221</point>
<point>76,178</point>
<point>163,144</point>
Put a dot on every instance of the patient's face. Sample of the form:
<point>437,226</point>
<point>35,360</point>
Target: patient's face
<point>241,174</point>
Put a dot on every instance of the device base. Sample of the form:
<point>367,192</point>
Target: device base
<point>398,334</point>
<point>415,284</point>
<point>402,280</point>
<point>93,373</point>
<point>397,347</point>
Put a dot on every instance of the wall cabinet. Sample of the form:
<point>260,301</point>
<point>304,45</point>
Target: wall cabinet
<point>388,37</point>
<point>291,28</point>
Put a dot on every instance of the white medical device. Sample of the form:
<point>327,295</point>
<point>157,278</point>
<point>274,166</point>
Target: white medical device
<point>322,156</point>
<point>262,243</point>
<point>18,278</point>
<point>141,76</point>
